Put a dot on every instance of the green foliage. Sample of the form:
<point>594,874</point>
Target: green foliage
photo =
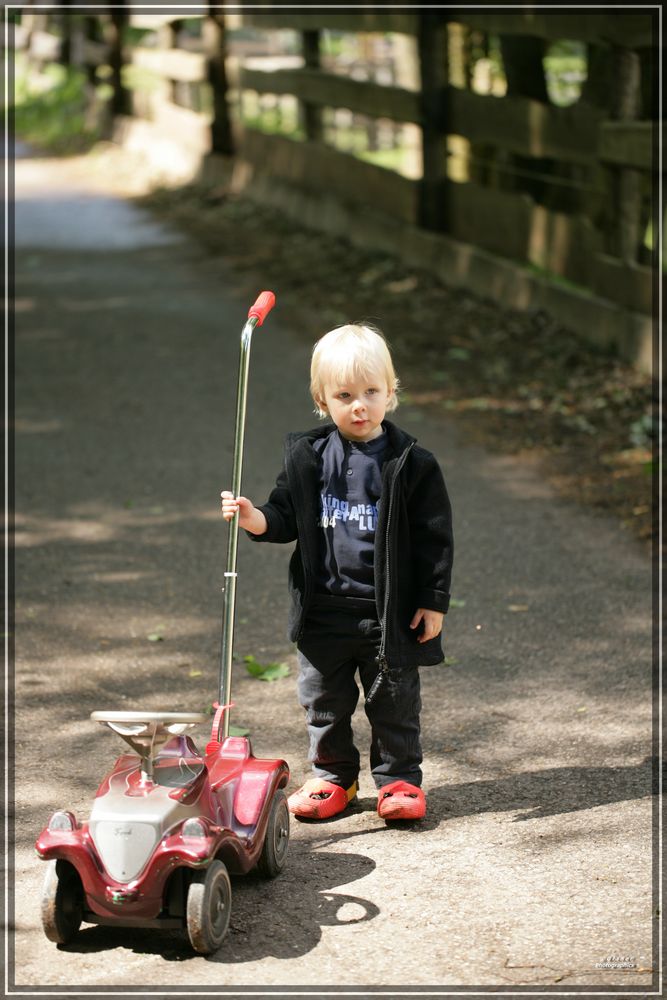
<point>649,243</point>
<point>565,67</point>
<point>272,120</point>
<point>392,159</point>
<point>458,354</point>
<point>333,44</point>
<point>642,431</point>
<point>50,111</point>
<point>141,79</point>
<point>555,279</point>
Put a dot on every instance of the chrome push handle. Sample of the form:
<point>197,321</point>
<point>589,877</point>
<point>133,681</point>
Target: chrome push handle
<point>256,316</point>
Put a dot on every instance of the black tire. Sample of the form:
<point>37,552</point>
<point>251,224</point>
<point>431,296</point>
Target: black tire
<point>62,902</point>
<point>209,908</point>
<point>276,842</point>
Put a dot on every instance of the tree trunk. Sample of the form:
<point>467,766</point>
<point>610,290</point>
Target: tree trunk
<point>310,114</point>
<point>524,69</point>
<point>595,91</point>
<point>214,31</point>
<point>626,104</point>
<point>120,100</point>
<point>597,86</point>
<point>65,19</point>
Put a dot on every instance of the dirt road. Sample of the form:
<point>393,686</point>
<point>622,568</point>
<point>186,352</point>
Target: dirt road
<point>533,866</point>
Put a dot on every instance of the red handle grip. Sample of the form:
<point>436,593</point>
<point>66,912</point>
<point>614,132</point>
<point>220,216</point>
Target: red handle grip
<point>262,307</point>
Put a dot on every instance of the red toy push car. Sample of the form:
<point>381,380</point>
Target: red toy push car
<point>169,822</point>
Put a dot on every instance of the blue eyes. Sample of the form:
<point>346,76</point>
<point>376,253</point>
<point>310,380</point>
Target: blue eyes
<point>346,395</point>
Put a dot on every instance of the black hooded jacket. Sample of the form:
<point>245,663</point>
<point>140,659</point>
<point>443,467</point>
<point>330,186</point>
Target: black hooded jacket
<point>413,539</point>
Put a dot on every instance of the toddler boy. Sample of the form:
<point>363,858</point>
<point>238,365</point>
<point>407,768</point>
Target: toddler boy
<point>369,576</point>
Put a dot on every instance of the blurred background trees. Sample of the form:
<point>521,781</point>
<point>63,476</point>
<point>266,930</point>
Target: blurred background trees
<point>532,137</point>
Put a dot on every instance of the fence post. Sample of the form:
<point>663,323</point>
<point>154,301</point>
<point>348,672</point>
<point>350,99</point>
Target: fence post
<point>433,64</point>
<point>89,33</point>
<point>64,19</point>
<point>626,182</point>
<point>312,115</point>
<point>121,103</point>
<point>215,45</point>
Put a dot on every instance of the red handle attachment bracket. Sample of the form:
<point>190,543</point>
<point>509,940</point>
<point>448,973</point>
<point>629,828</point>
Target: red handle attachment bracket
<point>262,307</point>
<point>214,743</point>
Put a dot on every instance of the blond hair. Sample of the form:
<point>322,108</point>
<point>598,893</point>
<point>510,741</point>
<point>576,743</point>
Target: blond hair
<point>356,350</point>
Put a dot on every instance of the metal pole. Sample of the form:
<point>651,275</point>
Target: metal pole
<point>230,574</point>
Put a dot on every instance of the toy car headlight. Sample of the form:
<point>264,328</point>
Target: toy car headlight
<point>194,828</point>
<point>62,822</point>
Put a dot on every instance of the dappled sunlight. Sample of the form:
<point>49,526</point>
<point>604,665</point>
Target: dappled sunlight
<point>23,305</point>
<point>209,515</point>
<point>96,522</point>
<point>549,239</point>
<point>517,481</point>
<point>83,220</point>
<point>40,795</point>
<point>23,425</point>
<point>538,237</point>
<point>120,577</point>
<point>128,621</point>
<point>536,729</point>
<point>536,116</point>
<point>42,530</point>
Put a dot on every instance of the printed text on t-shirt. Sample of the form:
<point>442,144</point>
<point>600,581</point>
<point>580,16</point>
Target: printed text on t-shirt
<point>333,510</point>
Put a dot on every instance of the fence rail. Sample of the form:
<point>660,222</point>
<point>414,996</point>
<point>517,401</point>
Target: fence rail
<point>504,147</point>
<point>631,30</point>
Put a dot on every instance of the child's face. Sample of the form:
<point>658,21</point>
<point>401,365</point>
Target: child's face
<point>357,407</point>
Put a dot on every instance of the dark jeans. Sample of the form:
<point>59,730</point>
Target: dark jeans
<point>342,636</point>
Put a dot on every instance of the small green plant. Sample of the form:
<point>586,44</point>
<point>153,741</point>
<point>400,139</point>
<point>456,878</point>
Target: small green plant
<point>642,431</point>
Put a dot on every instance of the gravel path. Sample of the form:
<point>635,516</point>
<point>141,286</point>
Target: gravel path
<point>533,866</point>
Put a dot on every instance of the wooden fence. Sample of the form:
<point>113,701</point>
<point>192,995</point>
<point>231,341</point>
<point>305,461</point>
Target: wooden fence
<point>596,162</point>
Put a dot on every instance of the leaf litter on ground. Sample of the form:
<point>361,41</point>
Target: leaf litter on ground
<point>265,671</point>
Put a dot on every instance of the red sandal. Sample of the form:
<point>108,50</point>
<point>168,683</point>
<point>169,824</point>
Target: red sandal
<point>401,800</point>
<point>318,799</point>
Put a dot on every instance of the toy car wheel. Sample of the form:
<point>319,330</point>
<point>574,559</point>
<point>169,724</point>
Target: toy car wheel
<point>208,908</point>
<point>62,902</point>
<point>276,842</point>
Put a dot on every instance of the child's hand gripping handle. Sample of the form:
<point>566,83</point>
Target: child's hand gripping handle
<point>262,307</point>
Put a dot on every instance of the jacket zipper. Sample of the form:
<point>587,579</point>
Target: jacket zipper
<point>308,587</point>
<point>381,657</point>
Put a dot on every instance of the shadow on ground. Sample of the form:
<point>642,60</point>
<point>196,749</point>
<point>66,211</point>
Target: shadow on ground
<point>282,918</point>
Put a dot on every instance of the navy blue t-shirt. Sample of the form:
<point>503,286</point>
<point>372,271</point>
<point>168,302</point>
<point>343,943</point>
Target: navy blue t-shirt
<point>350,487</point>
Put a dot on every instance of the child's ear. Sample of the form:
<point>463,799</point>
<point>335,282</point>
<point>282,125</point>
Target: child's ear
<point>321,405</point>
